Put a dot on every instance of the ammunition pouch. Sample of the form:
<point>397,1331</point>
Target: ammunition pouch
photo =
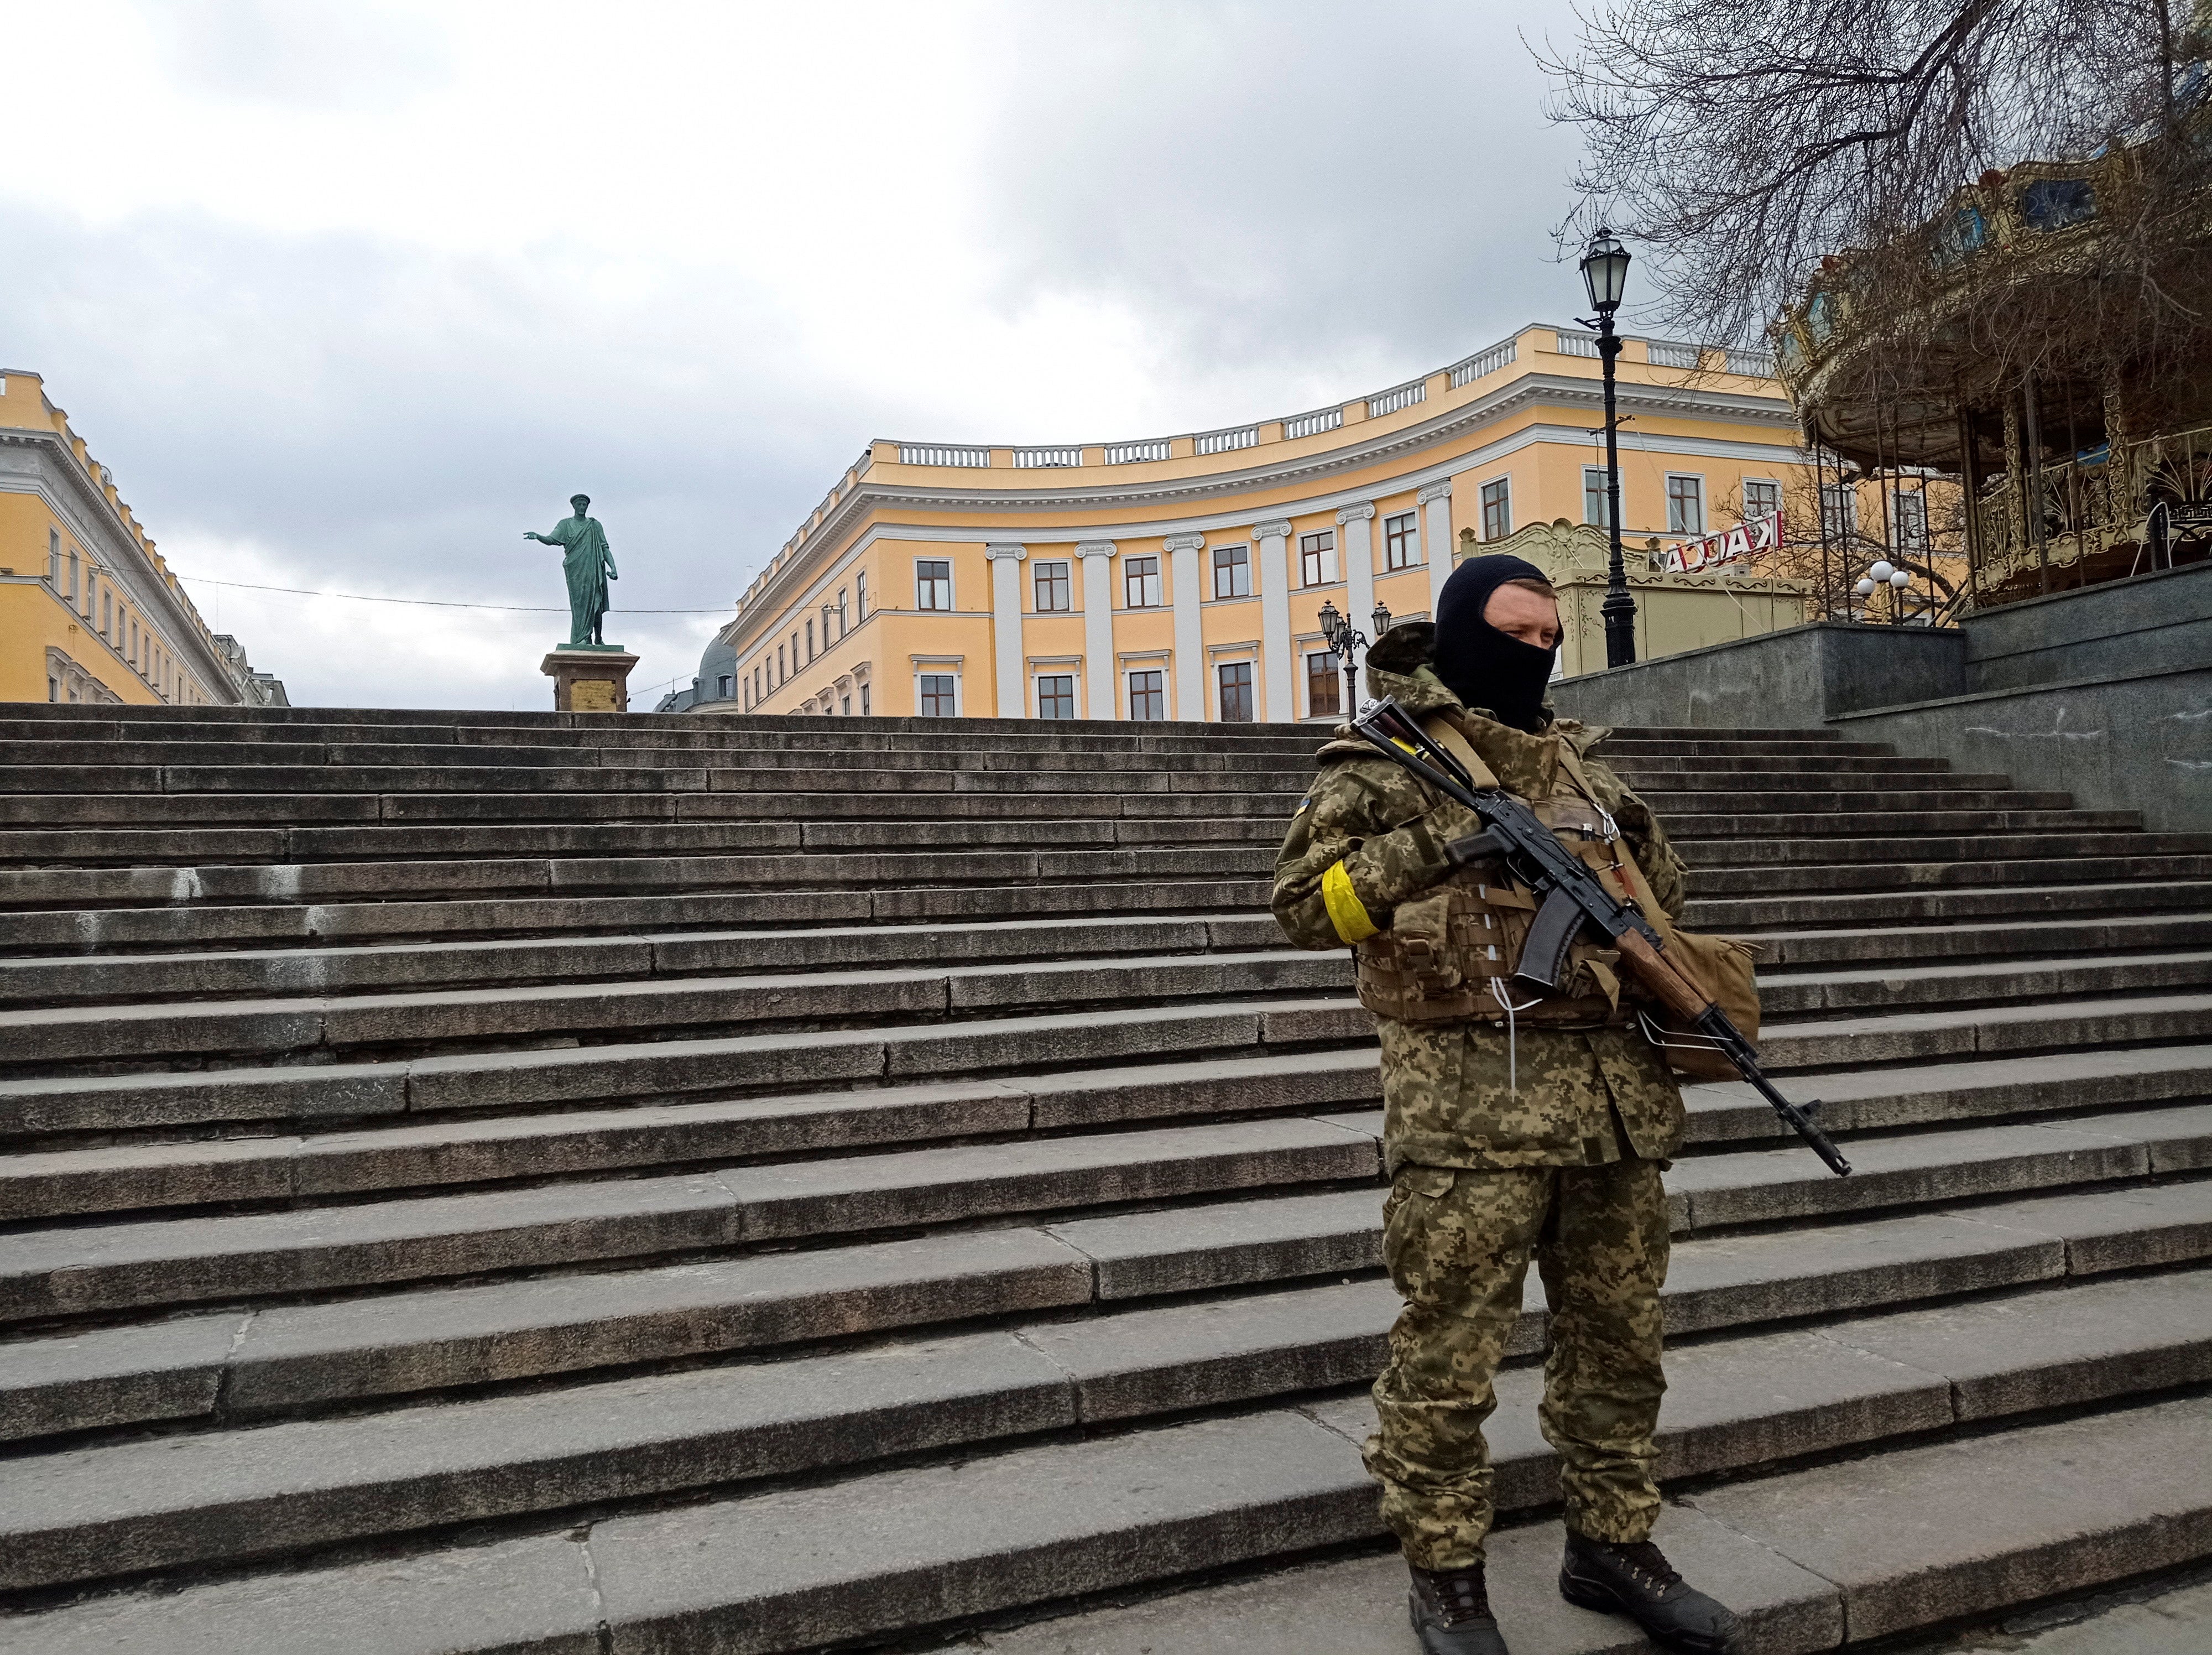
<point>1444,949</point>
<point>1721,967</point>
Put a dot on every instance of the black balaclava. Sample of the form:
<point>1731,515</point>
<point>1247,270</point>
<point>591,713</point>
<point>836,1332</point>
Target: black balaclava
<point>1483,666</point>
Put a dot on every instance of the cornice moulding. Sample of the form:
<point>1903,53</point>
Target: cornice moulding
<point>1572,390</point>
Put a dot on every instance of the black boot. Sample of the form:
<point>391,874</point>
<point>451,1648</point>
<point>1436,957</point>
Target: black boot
<point>1450,1611</point>
<point>1637,1581</point>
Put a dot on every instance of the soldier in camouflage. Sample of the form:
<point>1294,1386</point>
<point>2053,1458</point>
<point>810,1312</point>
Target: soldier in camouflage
<point>1511,1127</point>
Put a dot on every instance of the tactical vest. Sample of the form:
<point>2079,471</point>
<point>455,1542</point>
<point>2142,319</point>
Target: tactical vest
<point>1450,952</point>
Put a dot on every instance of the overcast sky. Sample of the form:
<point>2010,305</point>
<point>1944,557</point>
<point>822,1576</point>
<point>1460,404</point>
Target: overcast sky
<point>349,295</point>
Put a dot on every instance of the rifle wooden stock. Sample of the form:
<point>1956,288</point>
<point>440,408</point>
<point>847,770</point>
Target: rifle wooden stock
<point>1662,976</point>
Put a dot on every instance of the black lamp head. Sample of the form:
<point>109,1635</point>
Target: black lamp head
<point>1605,272</point>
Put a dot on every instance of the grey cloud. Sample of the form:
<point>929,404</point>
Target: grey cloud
<point>298,56</point>
<point>1284,184</point>
<point>386,420</point>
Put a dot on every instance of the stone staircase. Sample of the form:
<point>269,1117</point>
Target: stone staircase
<point>516,1183</point>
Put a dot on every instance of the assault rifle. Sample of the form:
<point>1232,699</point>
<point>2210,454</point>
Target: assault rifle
<point>1572,897</point>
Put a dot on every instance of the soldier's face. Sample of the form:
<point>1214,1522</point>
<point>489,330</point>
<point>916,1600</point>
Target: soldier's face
<point>1528,615</point>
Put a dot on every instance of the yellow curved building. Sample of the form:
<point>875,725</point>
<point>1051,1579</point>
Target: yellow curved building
<point>90,610</point>
<point>1182,576</point>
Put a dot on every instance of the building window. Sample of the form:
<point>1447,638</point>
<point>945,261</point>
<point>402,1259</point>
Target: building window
<point>842,627</point>
<point>1685,505</point>
<point>845,705</point>
<point>781,672</point>
<point>810,639</point>
<point>757,688</point>
<point>1140,579</point>
<point>1911,521</point>
<point>1236,692</point>
<point>1057,694</point>
<point>1761,499</point>
<point>723,693</point>
<point>939,695</point>
<point>1324,684</point>
<point>1051,587</point>
<point>1317,559</point>
<point>933,583</point>
<point>1148,695</point>
<point>864,701</point>
<point>107,614</point>
<point>1232,571</point>
<point>1597,504</point>
<point>1840,510</point>
<point>1498,508</point>
<point>53,565</point>
<point>72,585</point>
<point>1401,541</point>
<point>861,595</point>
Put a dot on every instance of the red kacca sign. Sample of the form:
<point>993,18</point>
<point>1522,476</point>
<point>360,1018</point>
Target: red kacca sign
<point>1753,535</point>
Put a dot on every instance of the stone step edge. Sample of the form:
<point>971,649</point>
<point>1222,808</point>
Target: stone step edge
<point>79,1269</point>
<point>1032,1526</point>
<point>283,1024</point>
<point>505,1080</point>
<point>157,1174</point>
<point>241,1364</point>
<point>1793,1597</point>
<point>743,1424</point>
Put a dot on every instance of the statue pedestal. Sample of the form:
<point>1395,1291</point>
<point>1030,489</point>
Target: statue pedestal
<point>592,679</point>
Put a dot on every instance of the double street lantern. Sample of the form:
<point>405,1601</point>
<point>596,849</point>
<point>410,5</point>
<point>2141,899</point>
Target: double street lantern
<point>1605,275</point>
<point>1346,641</point>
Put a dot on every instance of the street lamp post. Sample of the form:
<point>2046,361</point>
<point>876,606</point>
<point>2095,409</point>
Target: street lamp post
<point>1605,275</point>
<point>1346,640</point>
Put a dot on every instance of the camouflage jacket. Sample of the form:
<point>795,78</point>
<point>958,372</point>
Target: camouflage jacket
<point>1449,1095</point>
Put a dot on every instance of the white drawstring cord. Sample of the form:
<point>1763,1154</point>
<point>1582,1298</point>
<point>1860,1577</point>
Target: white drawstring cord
<point>1512,1035</point>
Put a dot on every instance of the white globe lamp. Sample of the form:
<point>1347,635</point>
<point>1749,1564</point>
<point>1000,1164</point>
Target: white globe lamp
<point>1882,570</point>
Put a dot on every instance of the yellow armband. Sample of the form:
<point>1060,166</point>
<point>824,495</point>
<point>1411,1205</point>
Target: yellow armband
<point>1346,911</point>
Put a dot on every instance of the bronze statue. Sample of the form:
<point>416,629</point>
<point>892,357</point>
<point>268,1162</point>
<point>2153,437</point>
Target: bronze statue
<point>589,566</point>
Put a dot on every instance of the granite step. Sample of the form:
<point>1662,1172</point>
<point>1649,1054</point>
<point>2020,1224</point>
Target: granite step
<point>1898,1543</point>
<point>90,929</point>
<point>99,1268</point>
<point>294,1029</point>
<point>1837,878</point>
<point>1753,915</point>
<point>946,1543</point>
<point>77,810</point>
<point>560,1073</point>
<point>158,1173</point>
<point>1884,847</point>
<point>311,882</point>
<point>97,1513</point>
<point>308,1359</point>
<point>116,978</point>
<point>121,978</point>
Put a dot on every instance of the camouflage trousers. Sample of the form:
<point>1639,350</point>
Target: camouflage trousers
<point>1457,1244</point>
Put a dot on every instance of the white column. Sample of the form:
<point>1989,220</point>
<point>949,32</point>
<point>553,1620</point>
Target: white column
<point>1272,543</point>
<point>1189,636</point>
<point>1013,698</point>
<point>1354,525</point>
<point>1101,695</point>
<point>1436,532</point>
